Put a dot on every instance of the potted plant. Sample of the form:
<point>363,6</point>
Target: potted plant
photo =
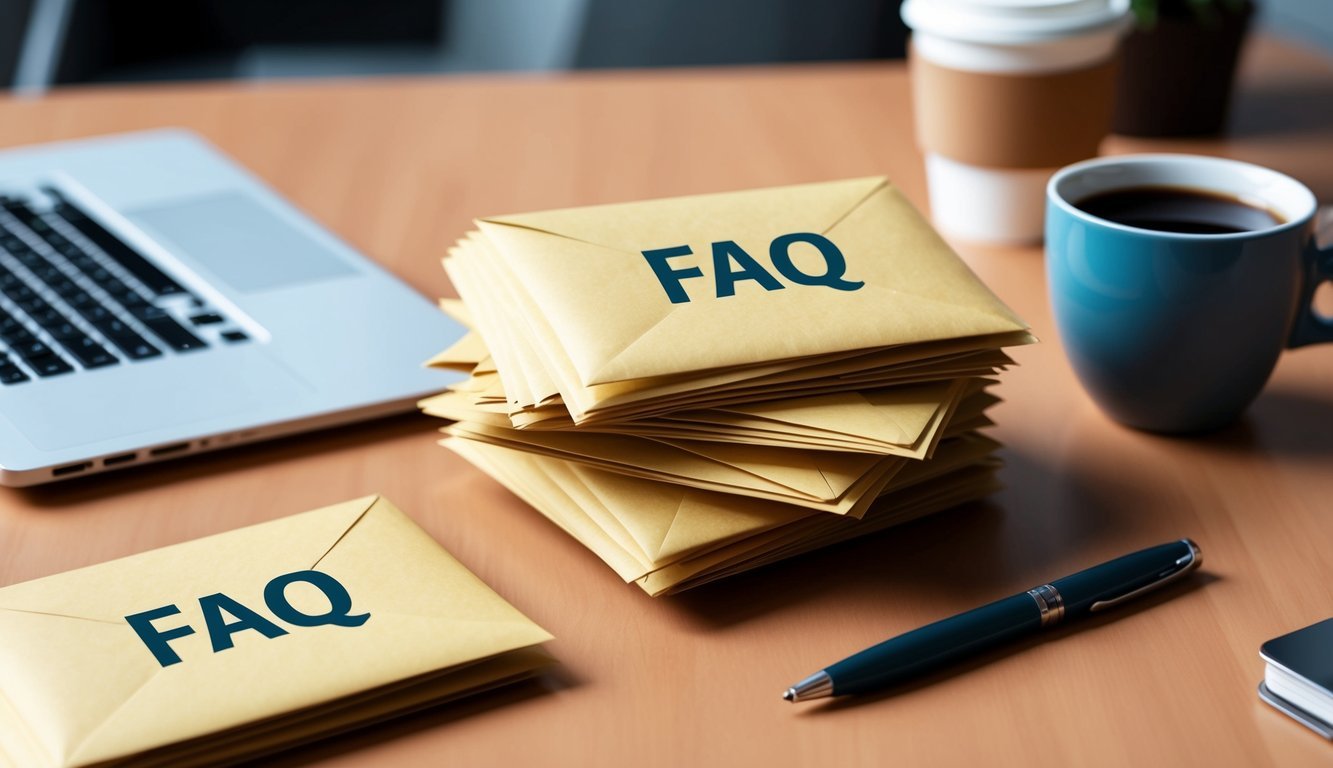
<point>1178,66</point>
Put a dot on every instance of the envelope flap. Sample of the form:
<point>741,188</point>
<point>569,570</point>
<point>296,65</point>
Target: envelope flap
<point>711,519</point>
<point>633,452</point>
<point>107,591</point>
<point>897,415</point>
<point>464,355</point>
<point>644,508</point>
<point>95,691</point>
<point>897,283</point>
<point>694,219</point>
<point>457,309</point>
<point>816,474</point>
<point>910,258</point>
<point>46,665</point>
<point>668,521</point>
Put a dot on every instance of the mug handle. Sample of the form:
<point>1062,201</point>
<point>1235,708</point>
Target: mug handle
<point>1311,327</point>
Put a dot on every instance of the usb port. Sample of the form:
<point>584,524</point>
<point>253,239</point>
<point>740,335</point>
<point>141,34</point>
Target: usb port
<point>123,458</point>
<point>166,449</point>
<point>70,469</point>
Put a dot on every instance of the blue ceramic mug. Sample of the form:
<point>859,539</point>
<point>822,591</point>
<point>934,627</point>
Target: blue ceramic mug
<point>1174,332</point>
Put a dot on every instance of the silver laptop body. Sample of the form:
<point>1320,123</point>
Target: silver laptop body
<point>156,300</point>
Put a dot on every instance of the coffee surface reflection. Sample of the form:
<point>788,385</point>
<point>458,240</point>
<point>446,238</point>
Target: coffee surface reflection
<point>1178,209</point>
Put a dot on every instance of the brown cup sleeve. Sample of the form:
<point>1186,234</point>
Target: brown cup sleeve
<point>1039,120</point>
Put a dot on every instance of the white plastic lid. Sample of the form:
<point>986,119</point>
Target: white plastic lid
<point>1012,21</point>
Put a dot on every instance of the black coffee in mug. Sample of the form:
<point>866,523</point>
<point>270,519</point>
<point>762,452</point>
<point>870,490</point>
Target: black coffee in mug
<point>1178,209</point>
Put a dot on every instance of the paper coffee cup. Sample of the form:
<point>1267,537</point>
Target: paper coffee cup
<point>1005,92</point>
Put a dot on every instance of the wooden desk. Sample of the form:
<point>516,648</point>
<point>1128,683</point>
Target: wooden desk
<point>399,167</point>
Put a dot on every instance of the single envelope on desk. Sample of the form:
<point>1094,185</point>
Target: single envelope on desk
<point>752,277</point>
<point>248,641</point>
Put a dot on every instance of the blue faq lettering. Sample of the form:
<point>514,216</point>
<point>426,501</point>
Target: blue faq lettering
<point>217,607</point>
<point>732,264</point>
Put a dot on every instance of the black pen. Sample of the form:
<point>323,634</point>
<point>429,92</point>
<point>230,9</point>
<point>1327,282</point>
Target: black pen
<point>936,645</point>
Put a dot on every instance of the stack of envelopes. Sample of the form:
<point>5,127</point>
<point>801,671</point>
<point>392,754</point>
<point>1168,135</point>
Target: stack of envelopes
<point>696,386</point>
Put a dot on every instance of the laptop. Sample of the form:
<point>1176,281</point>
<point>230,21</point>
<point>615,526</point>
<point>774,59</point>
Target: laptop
<point>156,301</point>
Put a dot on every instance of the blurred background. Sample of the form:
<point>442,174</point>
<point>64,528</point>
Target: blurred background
<point>49,43</point>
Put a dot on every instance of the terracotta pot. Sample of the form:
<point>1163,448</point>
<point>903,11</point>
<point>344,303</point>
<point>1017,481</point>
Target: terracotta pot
<point>1176,78</point>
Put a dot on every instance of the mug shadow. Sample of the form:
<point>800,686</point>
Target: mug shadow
<point>434,717</point>
<point>1148,602</point>
<point>1044,515</point>
<point>220,462</point>
<point>1280,422</point>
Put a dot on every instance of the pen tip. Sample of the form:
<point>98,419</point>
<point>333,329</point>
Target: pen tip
<point>789,695</point>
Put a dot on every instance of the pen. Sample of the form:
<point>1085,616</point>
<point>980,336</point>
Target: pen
<point>936,645</point>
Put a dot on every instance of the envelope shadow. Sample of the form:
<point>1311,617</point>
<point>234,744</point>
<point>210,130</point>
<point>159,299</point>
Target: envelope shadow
<point>962,552</point>
<point>441,716</point>
<point>1148,602</point>
<point>78,490</point>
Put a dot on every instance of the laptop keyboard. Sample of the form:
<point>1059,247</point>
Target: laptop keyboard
<point>74,297</point>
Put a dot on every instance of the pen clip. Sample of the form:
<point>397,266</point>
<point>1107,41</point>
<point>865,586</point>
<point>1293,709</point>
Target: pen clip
<point>1184,565</point>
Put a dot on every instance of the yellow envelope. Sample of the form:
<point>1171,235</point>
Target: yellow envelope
<point>899,421</point>
<point>902,421</point>
<point>227,645</point>
<point>742,278</point>
<point>465,355</point>
<point>966,472</point>
<point>540,373</point>
<point>635,525</point>
<point>661,535</point>
<point>831,482</point>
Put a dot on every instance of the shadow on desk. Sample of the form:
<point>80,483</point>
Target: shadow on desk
<point>1146,603</point>
<point>370,735</point>
<point>1281,423</point>
<point>221,462</point>
<point>971,554</point>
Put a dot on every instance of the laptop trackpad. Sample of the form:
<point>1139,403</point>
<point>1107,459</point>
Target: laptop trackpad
<point>246,245</point>
<point>129,399</point>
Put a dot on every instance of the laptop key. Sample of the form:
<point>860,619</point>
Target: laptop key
<point>11,374</point>
<point>128,341</point>
<point>96,313</point>
<point>81,300</point>
<point>144,270</point>
<point>137,350</point>
<point>63,330</point>
<point>167,329</point>
<point>19,292</point>
<point>235,337</point>
<point>31,349</point>
<point>16,334</point>
<point>32,304</point>
<point>207,318</point>
<point>9,324</point>
<point>46,316</point>
<point>130,299</point>
<point>50,365</point>
<point>88,352</point>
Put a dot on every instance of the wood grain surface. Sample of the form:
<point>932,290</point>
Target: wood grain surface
<point>398,167</point>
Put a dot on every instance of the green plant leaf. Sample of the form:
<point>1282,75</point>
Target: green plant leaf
<point>1145,13</point>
